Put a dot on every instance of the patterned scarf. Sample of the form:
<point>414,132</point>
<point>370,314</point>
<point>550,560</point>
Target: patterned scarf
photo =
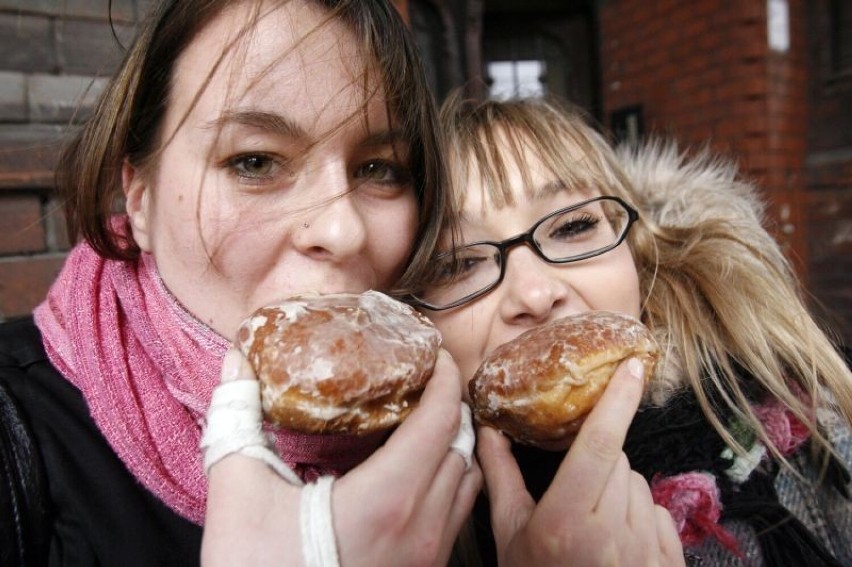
<point>147,369</point>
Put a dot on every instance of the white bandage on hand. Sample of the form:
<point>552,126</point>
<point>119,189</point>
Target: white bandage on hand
<point>319,545</point>
<point>234,425</point>
<point>465,438</point>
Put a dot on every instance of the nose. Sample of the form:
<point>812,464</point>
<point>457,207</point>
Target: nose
<point>334,230</point>
<point>534,292</point>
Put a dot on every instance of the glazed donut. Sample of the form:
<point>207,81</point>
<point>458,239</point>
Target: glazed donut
<point>539,387</point>
<point>339,363</point>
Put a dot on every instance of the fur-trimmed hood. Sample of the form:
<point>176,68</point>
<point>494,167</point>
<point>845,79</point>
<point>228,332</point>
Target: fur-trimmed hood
<point>678,188</point>
<point>681,189</point>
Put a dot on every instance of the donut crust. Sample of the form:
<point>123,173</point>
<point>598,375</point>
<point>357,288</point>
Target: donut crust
<point>339,363</point>
<point>539,387</point>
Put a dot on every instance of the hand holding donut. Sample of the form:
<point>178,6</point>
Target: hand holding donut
<point>383,510</point>
<point>596,511</point>
<point>540,386</point>
<point>541,389</point>
<point>339,363</point>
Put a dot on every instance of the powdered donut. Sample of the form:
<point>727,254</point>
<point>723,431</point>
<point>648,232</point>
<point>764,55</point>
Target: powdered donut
<point>539,387</point>
<point>339,363</point>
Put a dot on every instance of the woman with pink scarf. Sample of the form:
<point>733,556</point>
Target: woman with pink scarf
<point>243,153</point>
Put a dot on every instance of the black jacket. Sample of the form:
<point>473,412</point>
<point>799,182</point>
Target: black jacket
<point>65,497</point>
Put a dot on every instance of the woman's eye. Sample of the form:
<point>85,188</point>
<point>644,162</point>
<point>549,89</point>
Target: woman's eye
<point>467,265</point>
<point>452,271</point>
<point>572,228</point>
<point>255,166</point>
<point>383,172</point>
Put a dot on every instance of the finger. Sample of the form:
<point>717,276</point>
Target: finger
<point>444,492</point>
<point>445,484</point>
<point>235,418</point>
<point>235,366</point>
<point>511,503</point>
<point>642,516</point>
<point>233,471</point>
<point>671,547</point>
<point>585,471</point>
<point>430,427</point>
<point>464,442</point>
<point>460,507</point>
<point>468,490</point>
<point>641,511</point>
<point>614,503</point>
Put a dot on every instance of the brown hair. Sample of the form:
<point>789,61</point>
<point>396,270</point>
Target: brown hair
<point>128,119</point>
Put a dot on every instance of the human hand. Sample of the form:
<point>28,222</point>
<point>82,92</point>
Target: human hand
<point>597,511</point>
<point>413,495</point>
<point>404,505</point>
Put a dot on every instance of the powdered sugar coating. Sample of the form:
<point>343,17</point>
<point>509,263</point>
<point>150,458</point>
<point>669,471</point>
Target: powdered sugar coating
<point>339,362</point>
<point>534,386</point>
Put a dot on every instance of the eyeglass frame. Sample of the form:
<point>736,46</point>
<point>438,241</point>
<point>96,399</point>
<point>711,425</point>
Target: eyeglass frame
<point>526,237</point>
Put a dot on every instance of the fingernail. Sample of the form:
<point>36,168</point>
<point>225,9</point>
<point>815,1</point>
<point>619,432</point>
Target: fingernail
<point>231,365</point>
<point>636,368</point>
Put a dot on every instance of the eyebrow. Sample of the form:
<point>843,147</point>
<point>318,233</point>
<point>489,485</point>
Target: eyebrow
<point>283,126</point>
<point>269,121</point>
<point>549,188</point>
<point>386,138</point>
<point>540,192</point>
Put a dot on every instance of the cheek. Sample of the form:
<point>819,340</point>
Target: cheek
<point>179,206</point>
<point>175,230</point>
<point>617,289</point>
<point>392,240</point>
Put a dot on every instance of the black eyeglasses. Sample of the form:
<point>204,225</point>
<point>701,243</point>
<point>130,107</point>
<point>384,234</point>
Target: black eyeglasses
<point>575,233</point>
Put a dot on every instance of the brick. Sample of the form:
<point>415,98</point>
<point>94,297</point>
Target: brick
<point>28,155</point>
<point>122,10</point>
<point>24,282</point>
<point>49,7</point>
<point>26,43</point>
<point>20,217</point>
<point>143,8</point>
<point>56,226</point>
<point>59,98</point>
<point>89,47</point>
<point>13,97</point>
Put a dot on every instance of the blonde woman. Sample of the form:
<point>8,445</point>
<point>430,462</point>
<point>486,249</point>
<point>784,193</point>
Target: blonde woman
<point>743,433</point>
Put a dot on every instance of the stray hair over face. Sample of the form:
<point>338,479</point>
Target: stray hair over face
<point>127,123</point>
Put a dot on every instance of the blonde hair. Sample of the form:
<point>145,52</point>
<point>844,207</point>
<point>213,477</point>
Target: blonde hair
<point>718,292</point>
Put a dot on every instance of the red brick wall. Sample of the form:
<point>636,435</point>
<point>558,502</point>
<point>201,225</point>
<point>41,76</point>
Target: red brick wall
<point>703,72</point>
<point>54,57</point>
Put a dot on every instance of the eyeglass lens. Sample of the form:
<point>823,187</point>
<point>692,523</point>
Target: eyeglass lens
<point>562,236</point>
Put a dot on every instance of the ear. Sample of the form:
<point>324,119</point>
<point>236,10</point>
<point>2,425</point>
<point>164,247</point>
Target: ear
<point>137,203</point>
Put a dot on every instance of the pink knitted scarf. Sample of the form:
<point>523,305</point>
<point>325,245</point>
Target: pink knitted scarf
<point>147,369</point>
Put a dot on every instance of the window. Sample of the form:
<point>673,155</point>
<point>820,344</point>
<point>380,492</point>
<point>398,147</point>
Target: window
<point>511,79</point>
<point>531,49</point>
